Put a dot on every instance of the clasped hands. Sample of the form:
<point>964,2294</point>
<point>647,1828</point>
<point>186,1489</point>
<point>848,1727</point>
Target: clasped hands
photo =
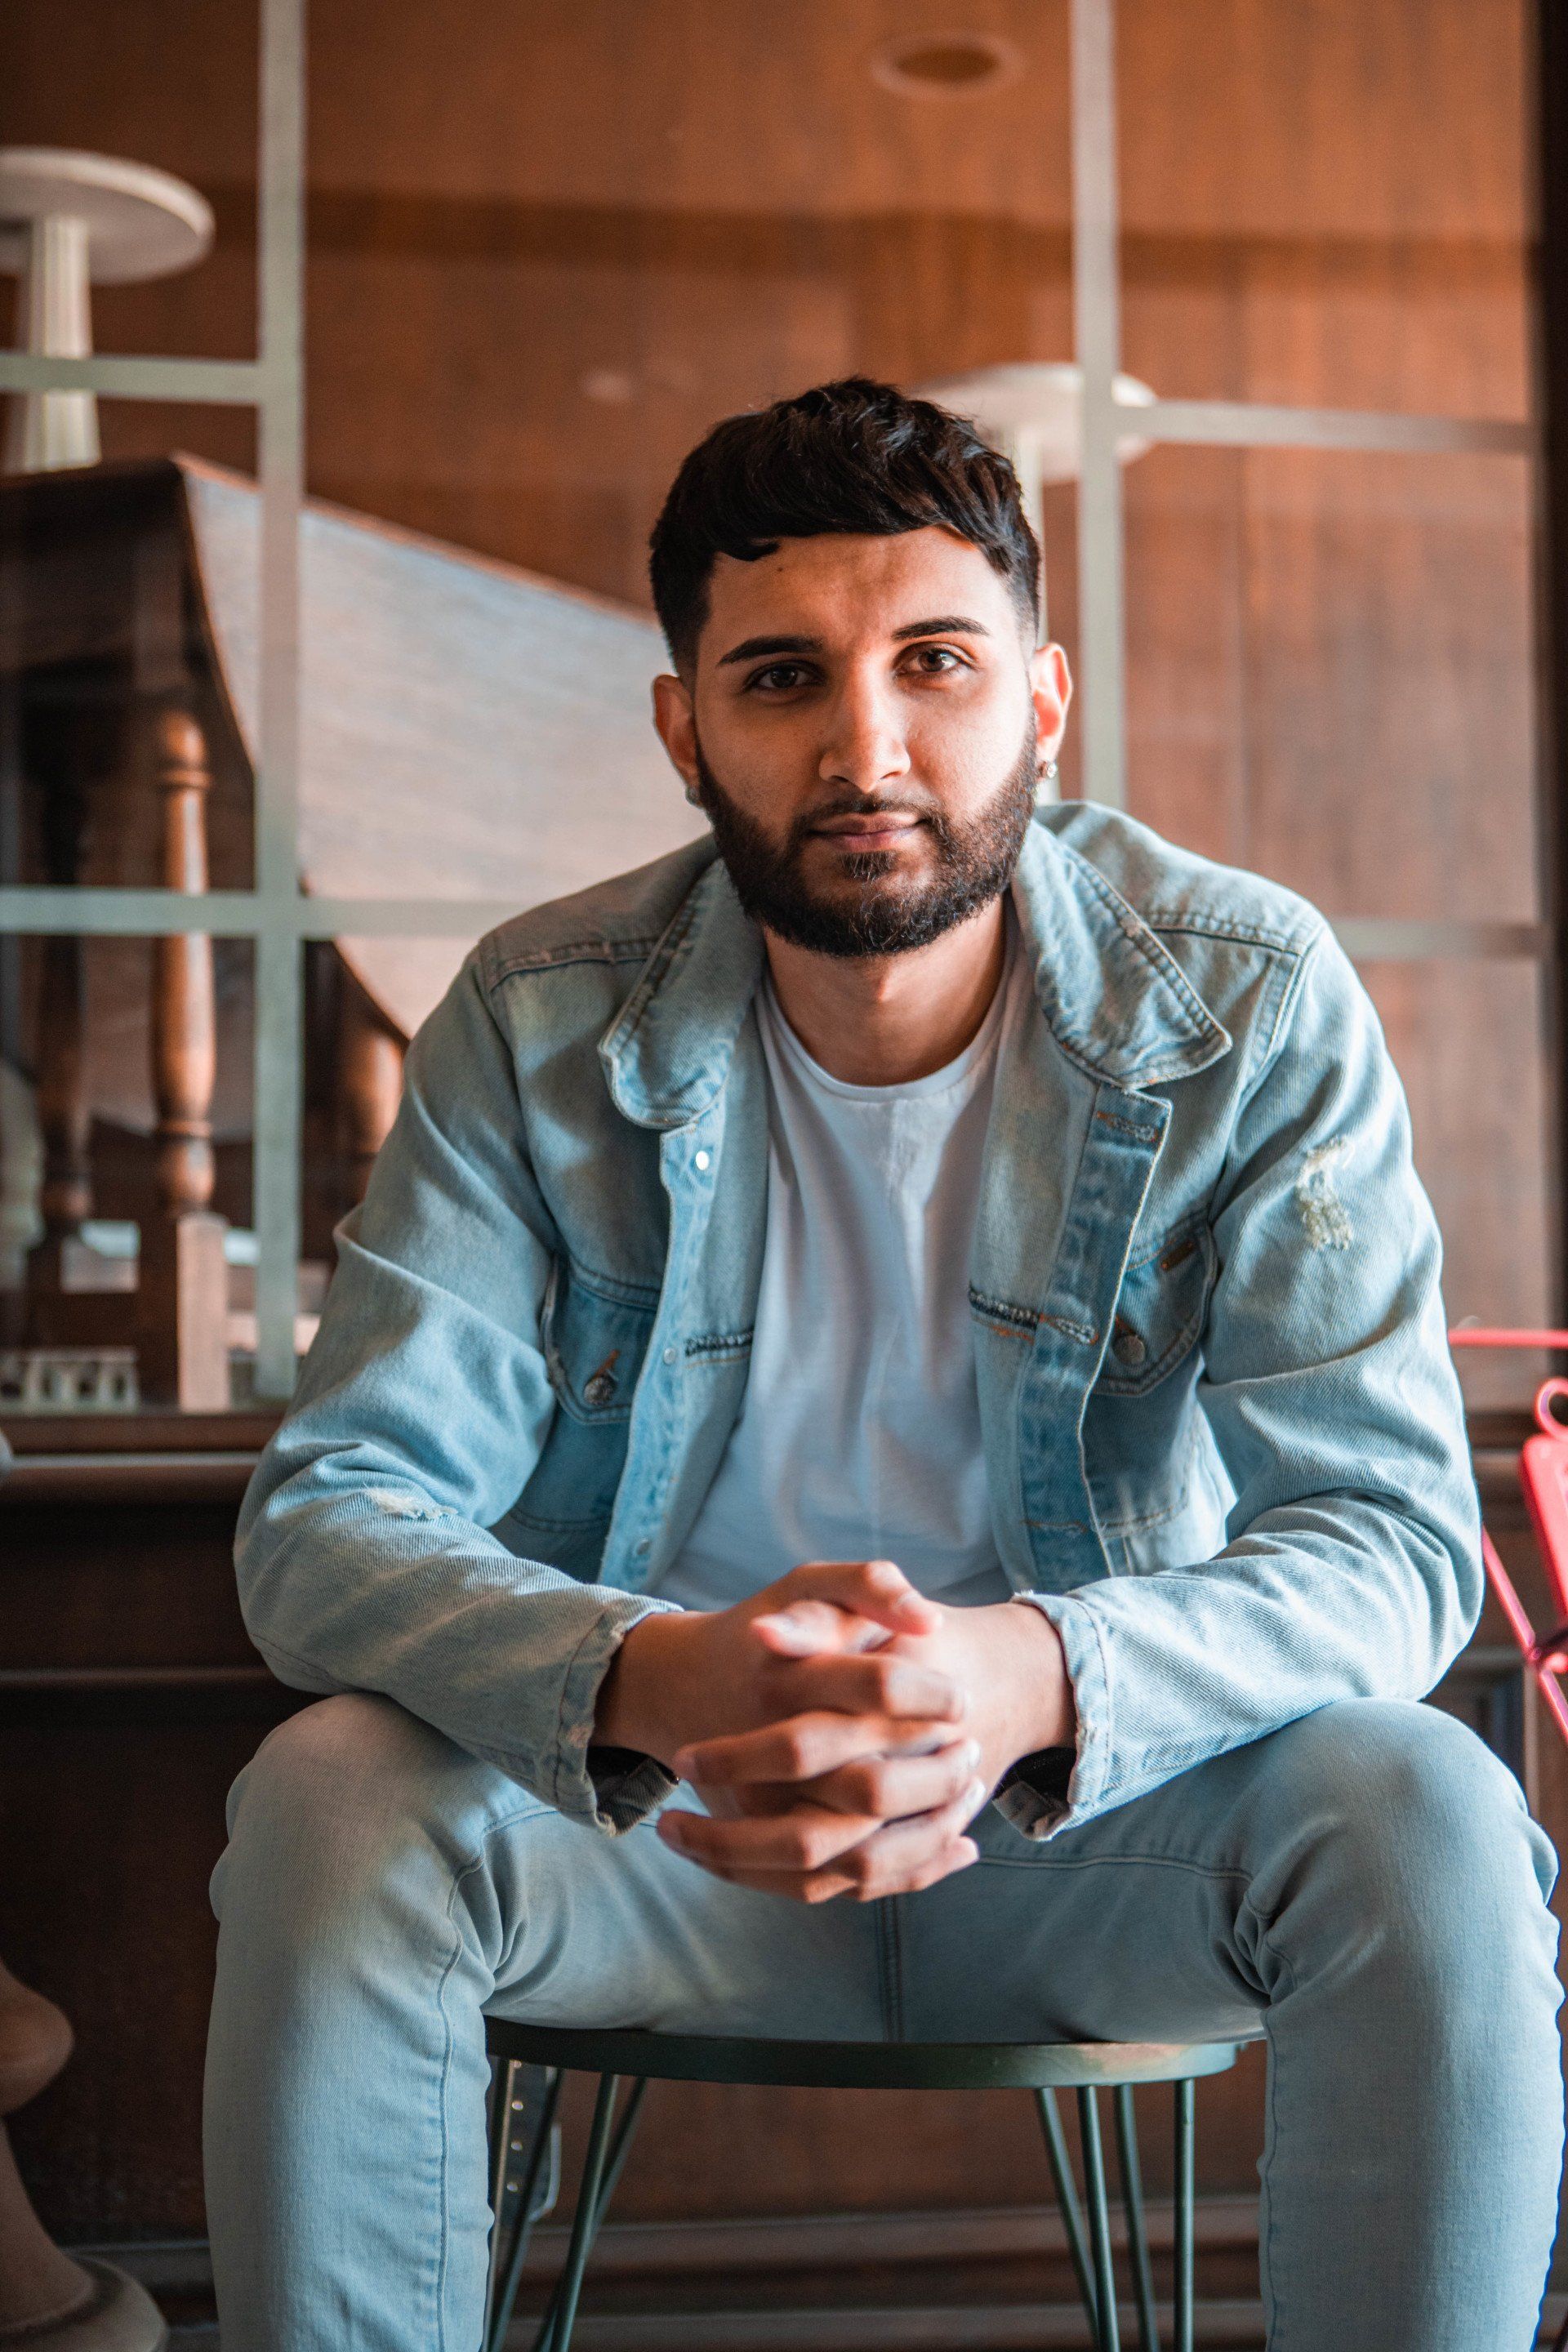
<point>842,1730</point>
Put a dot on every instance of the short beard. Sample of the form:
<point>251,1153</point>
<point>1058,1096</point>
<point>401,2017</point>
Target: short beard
<point>975,862</point>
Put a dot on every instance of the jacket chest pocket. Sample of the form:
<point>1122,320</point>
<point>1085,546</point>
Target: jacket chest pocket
<point>1160,1312</point>
<point>1139,1428</point>
<point>595,1340</point>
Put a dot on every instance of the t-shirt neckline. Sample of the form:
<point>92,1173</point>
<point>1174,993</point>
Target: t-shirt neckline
<point>936,1082</point>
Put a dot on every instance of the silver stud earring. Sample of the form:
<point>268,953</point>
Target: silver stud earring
<point>693,795</point>
<point>1048,772</point>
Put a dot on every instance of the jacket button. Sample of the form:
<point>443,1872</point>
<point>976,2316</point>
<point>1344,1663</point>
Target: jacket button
<point>699,1158</point>
<point>600,1389</point>
<point>1128,1348</point>
<point>670,1354</point>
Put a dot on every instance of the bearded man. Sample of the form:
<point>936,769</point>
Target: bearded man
<point>881,1462</point>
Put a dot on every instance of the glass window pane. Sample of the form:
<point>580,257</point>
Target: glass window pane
<point>593,233</point>
<point>1330,673</point>
<point>1467,1038</point>
<point>126,1115</point>
<point>1326,206</point>
<point>173,88</point>
<point>125,1124</point>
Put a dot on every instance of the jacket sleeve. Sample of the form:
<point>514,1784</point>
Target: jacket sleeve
<point>363,1557</point>
<point>1352,1567</point>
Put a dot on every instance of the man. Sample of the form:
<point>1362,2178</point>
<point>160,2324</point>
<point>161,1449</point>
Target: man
<point>915,1318</point>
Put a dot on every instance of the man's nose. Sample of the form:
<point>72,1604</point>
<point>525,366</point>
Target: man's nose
<point>865,746</point>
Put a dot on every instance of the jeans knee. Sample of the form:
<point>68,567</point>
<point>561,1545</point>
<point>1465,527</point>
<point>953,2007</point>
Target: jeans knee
<point>324,1798</point>
<point>1416,1817</point>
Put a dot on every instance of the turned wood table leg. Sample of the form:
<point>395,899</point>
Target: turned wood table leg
<point>369,1081</point>
<point>65,1115</point>
<point>46,2298</point>
<point>65,1200</point>
<point>183,1304</point>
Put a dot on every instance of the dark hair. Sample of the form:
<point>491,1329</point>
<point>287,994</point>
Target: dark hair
<point>849,456</point>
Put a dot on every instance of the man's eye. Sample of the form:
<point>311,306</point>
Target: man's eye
<point>777,678</point>
<point>934,659</point>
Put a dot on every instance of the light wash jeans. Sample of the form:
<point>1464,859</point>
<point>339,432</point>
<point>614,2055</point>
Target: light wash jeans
<point>1363,1886</point>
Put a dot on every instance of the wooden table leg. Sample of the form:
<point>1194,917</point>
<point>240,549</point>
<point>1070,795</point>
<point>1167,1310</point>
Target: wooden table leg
<point>369,1079</point>
<point>183,1311</point>
<point>65,1115</point>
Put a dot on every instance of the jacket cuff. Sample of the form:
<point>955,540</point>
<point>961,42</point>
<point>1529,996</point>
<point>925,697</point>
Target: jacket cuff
<point>606,1788</point>
<point>1038,1815</point>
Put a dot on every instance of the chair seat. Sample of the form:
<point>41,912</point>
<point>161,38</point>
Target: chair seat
<point>856,2065</point>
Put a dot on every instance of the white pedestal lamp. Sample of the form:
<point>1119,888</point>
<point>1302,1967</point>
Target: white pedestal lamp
<point>68,221</point>
<point>1031,411</point>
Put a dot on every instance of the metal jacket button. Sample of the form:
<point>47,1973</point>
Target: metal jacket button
<point>599,1389</point>
<point>1128,1348</point>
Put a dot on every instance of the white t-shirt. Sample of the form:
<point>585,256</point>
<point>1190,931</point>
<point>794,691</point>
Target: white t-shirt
<point>858,1436</point>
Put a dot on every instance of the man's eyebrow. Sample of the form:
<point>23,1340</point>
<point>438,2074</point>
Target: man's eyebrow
<point>946,624</point>
<point>749,648</point>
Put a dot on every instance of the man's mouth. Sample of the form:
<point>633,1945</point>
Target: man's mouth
<point>882,831</point>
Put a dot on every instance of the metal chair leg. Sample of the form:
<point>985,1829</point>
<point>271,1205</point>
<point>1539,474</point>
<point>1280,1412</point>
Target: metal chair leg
<point>507,2270</point>
<point>1109,2335</point>
<point>1067,2201</point>
<point>1185,2149</point>
<point>1137,2225</point>
<point>562,2316</point>
<point>601,2171</point>
<point>500,2108</point>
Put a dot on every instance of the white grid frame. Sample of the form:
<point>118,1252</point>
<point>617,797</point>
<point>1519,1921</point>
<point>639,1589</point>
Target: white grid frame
<point>277,916</point>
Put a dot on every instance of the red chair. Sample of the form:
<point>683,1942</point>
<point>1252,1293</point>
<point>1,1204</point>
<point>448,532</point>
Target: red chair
<point>1543,1474</point>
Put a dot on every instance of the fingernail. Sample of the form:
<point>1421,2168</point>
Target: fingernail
<point>975,1791</point>
<point>969,1756</point>
<point>971,1852</point>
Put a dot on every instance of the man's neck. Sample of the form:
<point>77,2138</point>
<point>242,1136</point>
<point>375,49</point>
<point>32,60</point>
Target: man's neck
<point>880,1021</point>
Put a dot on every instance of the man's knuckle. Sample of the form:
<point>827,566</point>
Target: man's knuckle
<point>886,1679</point>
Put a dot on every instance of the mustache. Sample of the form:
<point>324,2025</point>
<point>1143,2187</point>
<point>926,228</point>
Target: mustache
<point>857,805</point>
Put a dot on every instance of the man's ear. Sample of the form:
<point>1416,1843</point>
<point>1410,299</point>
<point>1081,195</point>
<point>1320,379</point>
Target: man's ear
<point>677,723</point>
<point>1050,689</point>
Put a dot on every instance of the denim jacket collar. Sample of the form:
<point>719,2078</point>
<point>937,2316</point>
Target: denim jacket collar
<point>1114,999</point>
<point>1113,996</point>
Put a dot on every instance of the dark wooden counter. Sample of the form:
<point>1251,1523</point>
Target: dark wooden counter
<point>130,1696</point>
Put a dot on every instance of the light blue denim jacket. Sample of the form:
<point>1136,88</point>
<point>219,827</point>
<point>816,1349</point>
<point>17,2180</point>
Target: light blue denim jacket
<point>1225,1443</point>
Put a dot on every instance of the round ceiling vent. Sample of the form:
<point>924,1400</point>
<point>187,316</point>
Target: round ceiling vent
<point>946,65</point>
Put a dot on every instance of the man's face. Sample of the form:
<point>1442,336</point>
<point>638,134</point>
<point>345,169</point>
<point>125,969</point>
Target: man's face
<point>864,726</point>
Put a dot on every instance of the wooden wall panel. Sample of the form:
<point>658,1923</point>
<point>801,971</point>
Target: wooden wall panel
<point>1479,1113</point>
<point>1357,176</point>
